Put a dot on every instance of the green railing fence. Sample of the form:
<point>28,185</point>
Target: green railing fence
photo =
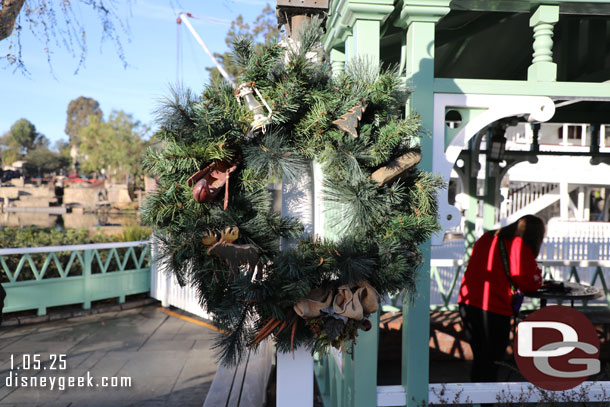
<point>42,277</point>
<point>446,275</point>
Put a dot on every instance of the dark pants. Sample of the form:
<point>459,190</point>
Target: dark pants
<point>488,335</point>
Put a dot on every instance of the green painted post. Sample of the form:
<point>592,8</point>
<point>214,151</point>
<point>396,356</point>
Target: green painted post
<point>332,393</point>
<point>419,17</point>
<point>348,383</point>
<point>336,399</point>
<point>366,39</point>
<point>490,200</point>
<point>88,261</point>
<point>470,167</point>
<point>349,48</point>
<point>325,369</point>
<point>362,389</point>
<point>365,369</point>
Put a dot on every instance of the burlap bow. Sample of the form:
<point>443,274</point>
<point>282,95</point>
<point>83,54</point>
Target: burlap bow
<point>351,301</point>
<point>317,299</point>
<point>369,297</point>
<point>365,300</point>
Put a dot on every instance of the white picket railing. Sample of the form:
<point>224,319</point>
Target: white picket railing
<point>165,288</point>
<point>576,248</point>
<point>577,229</point>
<point>523,198</point>
<point>565,240</point>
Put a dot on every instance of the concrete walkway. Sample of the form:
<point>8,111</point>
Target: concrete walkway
<point>167,358</point>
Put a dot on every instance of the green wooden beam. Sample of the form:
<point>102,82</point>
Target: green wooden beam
<point>557,90</point>
<point>590,7</point>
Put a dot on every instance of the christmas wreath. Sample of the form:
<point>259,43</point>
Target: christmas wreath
<point>212,210</point>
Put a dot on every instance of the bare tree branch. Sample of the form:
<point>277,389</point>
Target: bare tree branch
<point>8,15</point>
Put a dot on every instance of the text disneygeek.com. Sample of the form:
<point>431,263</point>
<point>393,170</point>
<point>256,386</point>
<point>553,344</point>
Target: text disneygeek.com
<point>64,382</point>
<point>24,371</point>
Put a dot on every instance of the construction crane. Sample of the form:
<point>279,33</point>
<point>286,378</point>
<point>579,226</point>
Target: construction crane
<point>184,17</point>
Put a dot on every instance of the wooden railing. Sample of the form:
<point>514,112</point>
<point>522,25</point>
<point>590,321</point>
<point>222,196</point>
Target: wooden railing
<point>42,277</point>
<point>446,276</point>
<point>522,194</point>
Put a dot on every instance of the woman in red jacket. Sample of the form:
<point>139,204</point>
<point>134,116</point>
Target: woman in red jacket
<point>485,297</point>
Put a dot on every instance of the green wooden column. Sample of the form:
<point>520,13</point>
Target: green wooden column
<point>360,368</point>
<point>491,199</point>
<point>491,195</point>
<point>349,48</point>
<point>471,168</point>
<point>419,17</point>
<point>366,39</point>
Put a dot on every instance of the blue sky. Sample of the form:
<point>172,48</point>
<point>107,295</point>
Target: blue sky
<point>150,50</point>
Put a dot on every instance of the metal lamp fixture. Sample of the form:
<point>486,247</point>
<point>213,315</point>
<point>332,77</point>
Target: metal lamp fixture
<point>496,145</point>
<point>496,141</point>
<point>246,91</point>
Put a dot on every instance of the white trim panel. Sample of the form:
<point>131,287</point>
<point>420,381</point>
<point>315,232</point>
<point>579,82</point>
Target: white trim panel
<point>537,108</point>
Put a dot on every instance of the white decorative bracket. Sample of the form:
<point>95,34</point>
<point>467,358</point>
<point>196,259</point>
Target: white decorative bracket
<point>490,108</point>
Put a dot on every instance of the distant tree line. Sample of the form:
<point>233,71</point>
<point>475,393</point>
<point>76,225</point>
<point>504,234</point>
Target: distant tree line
<point>24,143</point>
<point>110,147</point>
